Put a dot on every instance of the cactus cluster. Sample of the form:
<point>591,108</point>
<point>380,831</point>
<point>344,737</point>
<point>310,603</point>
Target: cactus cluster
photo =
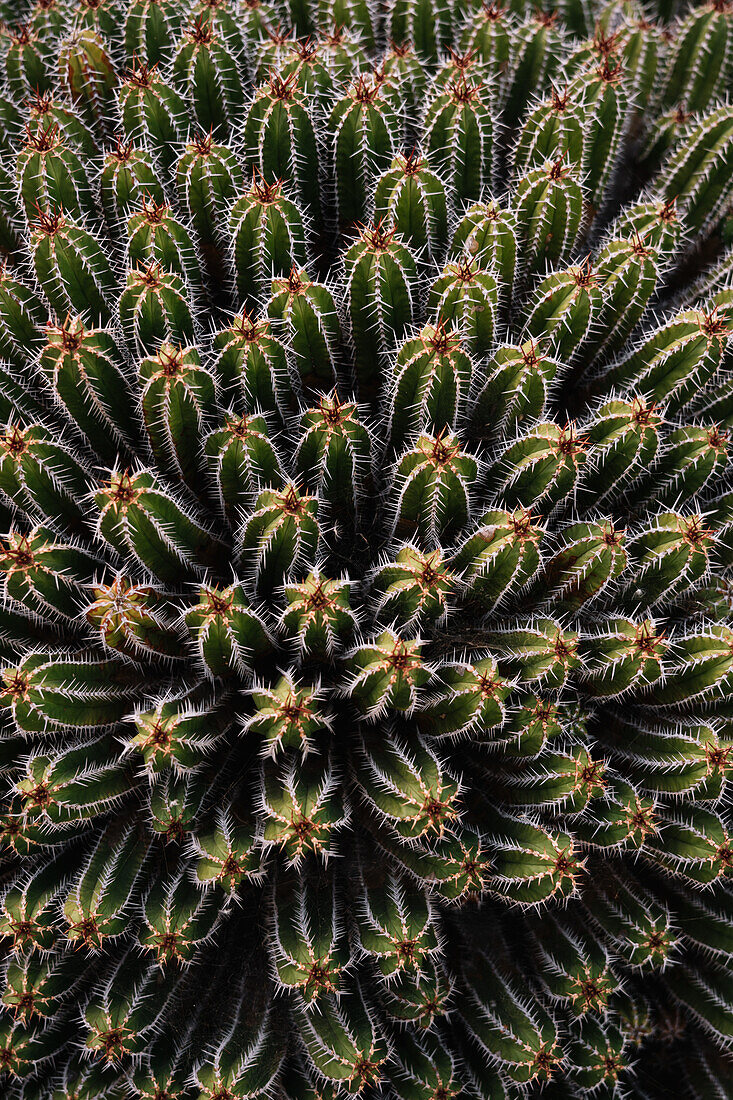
<point>367,603</point>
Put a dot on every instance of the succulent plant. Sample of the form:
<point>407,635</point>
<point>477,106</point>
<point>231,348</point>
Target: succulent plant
<point>366,634</point>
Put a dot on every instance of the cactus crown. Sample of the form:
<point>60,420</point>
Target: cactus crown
<point>366,534</point>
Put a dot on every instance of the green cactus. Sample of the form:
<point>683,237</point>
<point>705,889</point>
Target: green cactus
<point>206,68</point>
<point>267,236</point>
<point>459,138</point>
<point>364,130</point>
<point>366,536</point>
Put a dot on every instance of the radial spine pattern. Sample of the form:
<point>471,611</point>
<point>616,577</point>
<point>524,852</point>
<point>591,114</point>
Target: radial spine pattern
<point>366,537</point>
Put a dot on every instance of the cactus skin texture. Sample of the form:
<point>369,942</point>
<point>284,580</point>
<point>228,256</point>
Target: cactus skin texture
<point>366,550</point>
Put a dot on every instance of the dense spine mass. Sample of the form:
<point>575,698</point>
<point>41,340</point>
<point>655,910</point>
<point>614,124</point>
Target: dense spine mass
<point>366,632</point>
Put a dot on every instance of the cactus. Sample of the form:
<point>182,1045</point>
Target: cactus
<point>366,536</point>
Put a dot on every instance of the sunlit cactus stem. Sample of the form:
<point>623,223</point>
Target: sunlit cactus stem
<point>205,66</point>
<point>306,314</point>
<point>381,274</point>
<point>280,137</point>
<point>72,265</point>
<point>459,137</point>
<point>207,179</point>
<point>415,200</point>
<point>365,131</point>
<point>268,238</point>
<point>128,176</point>
<point>86,70</point>
<point>153,112</point>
